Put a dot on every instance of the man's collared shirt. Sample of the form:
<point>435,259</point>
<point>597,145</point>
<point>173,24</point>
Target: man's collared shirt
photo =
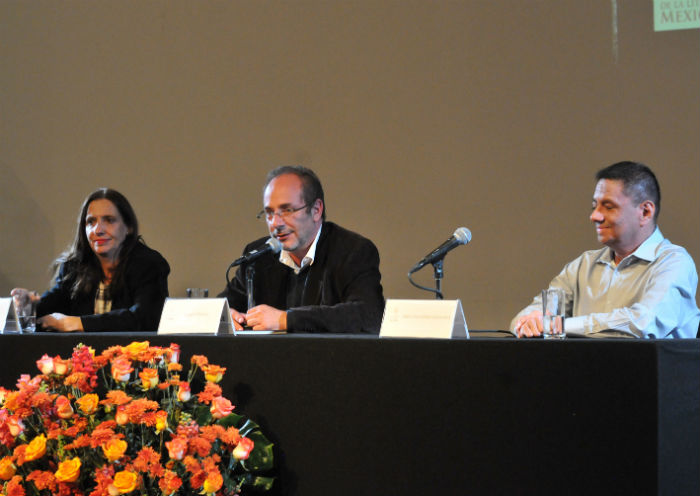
<point>308,259</point>
<point>650,293</point>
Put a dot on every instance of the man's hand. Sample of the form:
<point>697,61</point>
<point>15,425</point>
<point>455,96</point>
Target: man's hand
<point>266,318</point>
<point>61,323</point>
<point>529,325</point>
<point>238,319</point>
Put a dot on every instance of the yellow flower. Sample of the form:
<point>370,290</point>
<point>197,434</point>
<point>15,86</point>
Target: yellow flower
<point>7,468</point>
<point>213,373</point>
<point>114,449</point>
<point>88,403</point>
<point>136,349</point>
<point>161,421</point>
<point>125,481</point>
<point>36,448</point>
<point>213,482</point>
<point>68,470</point>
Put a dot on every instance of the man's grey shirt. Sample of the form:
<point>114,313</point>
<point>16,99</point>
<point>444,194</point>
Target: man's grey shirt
<point>650,293</point>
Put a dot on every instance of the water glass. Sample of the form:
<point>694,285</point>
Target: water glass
<point>25,307</point>
<point>197,292</point>
<point>553,308</point>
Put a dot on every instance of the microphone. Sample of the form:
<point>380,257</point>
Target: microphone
<point>272,245</point>
<point>461,236</point>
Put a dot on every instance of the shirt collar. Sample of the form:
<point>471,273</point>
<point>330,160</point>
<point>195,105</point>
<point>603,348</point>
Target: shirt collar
<point>645,251</point>
<point>308,259</point>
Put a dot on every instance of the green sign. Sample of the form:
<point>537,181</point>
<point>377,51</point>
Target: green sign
<point>676,14</point>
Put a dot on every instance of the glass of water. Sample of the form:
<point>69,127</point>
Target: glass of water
<point>553,305</point>
<point>25,307</point>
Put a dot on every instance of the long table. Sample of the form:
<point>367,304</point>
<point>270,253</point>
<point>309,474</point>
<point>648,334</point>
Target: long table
<point>353,415</point>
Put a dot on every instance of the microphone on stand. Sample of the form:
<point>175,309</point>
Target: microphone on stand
<point>272,245</point>
<point>461,236</point>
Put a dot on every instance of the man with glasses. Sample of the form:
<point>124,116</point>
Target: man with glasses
<point>325,279</point>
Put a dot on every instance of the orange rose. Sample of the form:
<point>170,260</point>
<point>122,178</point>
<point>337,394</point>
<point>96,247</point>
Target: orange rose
<point>114,449</point>
<point>220,407</point>
<point>60,366</point>
<point>68,470</point>
<point>149,378</point>
<point>121,369</point>
<point>35,449</point>
<point>45,364</point>
<point>7,468</point>
<point>213,482</point>
<point>137,350</point>
<point>121,417</point>
<point>213,373</point>
<point>242,451</point>
<point>88,403</point>
<point>177,448</point>
<point>124,482</point>
<point>63,407</point>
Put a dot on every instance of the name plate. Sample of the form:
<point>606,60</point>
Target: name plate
<point>8,317</point>
<point>424,319</point>
<point>195,316</point>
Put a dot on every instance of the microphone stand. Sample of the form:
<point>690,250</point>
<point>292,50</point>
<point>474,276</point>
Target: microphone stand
<point>249,273</point>
<point>437,274</point>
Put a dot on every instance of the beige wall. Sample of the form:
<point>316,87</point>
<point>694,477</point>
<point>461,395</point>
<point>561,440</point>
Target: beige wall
<point>419,117</point>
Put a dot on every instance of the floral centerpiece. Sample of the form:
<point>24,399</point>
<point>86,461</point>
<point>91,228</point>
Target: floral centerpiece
<point>127,421</point>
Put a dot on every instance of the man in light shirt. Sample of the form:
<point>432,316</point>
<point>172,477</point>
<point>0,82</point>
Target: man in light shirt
<point>325,279</point>
<point>640,284</point>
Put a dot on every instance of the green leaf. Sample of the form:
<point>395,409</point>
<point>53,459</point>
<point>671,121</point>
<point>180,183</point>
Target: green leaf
<point>231,420</point>
<point>261,457</point>
<point>262,483</point>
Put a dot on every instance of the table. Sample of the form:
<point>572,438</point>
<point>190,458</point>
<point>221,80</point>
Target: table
<point>362,415</point>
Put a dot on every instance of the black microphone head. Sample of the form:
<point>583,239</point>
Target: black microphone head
<point>274,244</point>
<point>463,235</point>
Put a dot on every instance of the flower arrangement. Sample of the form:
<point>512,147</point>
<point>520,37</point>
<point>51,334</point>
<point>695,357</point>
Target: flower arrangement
<point>126,422</point>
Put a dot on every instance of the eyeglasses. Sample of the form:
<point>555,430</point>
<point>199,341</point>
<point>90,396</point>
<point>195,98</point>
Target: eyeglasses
<point>283,213</point>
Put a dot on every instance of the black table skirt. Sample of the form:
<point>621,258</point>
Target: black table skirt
<point>369,416</point>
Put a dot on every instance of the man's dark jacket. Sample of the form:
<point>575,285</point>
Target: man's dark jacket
<point>136,308</point>
<point>339,293</point>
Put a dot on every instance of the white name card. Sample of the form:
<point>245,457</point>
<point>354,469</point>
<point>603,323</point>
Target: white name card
<point>424,319</point>
<point>8,317</point>
<point>195,316</point>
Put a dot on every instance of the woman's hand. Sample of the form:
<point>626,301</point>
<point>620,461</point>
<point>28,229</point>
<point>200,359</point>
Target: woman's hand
<point>61,323</point>
<point>20,294</point>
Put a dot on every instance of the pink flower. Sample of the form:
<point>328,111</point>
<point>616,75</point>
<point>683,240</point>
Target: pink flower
<point>177,448</point>
<point>174,353</point>
<point>15,425</point>
<point>184,393</point>
<point>121,369</point>
<point>220,407</point>
<point>45,364</point>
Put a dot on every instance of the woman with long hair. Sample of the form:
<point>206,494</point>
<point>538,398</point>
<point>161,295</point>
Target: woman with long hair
<point>108,279</point>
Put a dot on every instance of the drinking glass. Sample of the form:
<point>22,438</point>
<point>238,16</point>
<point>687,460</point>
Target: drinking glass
<point>553,303</point>
<point>197,292</point>
<point>25,307</point>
